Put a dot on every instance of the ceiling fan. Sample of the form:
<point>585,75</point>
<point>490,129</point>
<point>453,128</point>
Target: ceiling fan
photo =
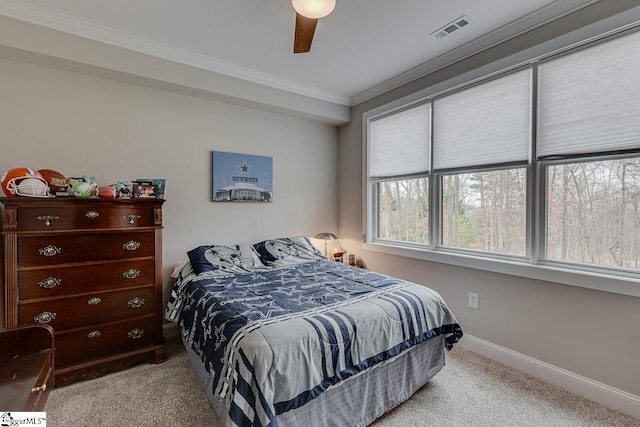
<point>307,14</point>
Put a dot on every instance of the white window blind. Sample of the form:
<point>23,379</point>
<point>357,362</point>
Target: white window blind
<point>590,100</point>
<point>399,143</point>
<point>485,124</point>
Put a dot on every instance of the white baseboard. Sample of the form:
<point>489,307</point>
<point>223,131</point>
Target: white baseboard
<point>583,386</point>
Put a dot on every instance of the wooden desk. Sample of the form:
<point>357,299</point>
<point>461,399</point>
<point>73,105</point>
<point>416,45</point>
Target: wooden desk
<point>26,367</point>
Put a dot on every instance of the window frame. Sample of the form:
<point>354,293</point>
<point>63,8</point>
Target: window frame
<point>543,234</point>
<point>439,175</point>
<point>376,206</point>
<point>371,210</point>
<point>534,265</point>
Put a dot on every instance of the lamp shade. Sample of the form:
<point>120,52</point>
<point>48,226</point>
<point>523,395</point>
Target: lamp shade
<point>314,9</point>
<point>325,236</point>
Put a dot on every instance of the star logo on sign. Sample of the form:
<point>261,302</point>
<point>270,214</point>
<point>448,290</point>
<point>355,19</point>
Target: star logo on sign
<point>244,168</point>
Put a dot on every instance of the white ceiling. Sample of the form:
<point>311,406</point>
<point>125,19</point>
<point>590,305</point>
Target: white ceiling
<point>363,48</point>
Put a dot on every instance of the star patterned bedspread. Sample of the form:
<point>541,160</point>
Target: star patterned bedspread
<point>275,339</point>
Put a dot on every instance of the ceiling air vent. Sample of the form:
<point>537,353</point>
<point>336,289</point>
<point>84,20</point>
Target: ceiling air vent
<point>452,26</point>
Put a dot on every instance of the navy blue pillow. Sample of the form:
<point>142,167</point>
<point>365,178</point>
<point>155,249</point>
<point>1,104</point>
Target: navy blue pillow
<point>224,260</point>
<point>263,252</point>
<point>287,251</point>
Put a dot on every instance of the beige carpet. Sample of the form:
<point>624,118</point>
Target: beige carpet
<point>470,391</point>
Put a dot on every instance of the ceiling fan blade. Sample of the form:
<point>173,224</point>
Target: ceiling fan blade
<point>305,27</point>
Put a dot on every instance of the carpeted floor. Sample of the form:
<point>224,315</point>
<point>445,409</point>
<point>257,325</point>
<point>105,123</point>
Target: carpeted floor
<point>470,391</point>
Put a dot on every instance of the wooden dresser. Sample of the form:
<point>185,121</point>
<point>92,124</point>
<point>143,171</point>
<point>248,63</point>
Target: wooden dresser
<point>92,270</point>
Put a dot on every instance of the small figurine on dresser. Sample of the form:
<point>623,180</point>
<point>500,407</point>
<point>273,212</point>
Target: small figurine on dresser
<point>124,190</point>
<point>108,192</point>
<point>83,188</point>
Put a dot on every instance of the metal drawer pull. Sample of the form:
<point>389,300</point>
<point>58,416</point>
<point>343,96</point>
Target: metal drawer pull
<point>45,317</point>
<point>136,333</point>
<point>50,250</point>
<point>43,387</point>
<point>132,218</point>
<point>94,301</point>
<point>94,334</point>
<point>137,302</point>
<point>47,219</point>
<point>132,273</point>
<point>131,245</point>
<point>50,282</point>
<point>92,214</point>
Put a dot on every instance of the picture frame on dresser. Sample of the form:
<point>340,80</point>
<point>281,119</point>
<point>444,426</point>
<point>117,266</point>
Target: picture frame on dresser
<point>144,190</point>
<point>90,269</point>
<point>158,183</point>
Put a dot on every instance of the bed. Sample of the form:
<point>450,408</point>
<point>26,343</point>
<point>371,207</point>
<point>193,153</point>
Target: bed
<point>280,336</point>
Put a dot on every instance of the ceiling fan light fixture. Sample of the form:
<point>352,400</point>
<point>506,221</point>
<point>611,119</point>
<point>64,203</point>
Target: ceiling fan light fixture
<point>314,9</point>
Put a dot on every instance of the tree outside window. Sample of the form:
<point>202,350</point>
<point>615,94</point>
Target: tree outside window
<point>404,210</point>
<point>485,211</point>
<point>593,212</point>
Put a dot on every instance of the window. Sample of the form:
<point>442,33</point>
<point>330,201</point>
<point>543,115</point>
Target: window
<point>485,211</point>
<point>589,101</point>
<point>480,127</point>
<point>404,210</point>
<point>589,105</point>
<point>399,143</point>
<point>400,159</point>
<point>499,171</point>
<point>487,124</point>
<point>593,212</point>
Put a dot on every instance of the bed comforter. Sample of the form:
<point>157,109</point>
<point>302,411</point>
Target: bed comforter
<point>275,339</point>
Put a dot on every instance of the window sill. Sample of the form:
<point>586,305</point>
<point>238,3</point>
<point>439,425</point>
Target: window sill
<point>584,279</point>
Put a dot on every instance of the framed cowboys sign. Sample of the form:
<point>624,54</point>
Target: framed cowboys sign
<point>241,177</point>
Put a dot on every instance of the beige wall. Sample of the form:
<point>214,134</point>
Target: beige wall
<point>591,333</point>
<point>78,125</point>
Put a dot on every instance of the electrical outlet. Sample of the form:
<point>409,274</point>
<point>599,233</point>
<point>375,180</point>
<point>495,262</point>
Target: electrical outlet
<point>473,300</point>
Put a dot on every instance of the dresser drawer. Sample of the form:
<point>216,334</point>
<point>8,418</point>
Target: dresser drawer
<point>103,340</point>
<point>26,368</point>
<point>62,248</point>
<point>91,216</point>
<point>40,392</point>
<point>53,282</point>
<point>76,312</point>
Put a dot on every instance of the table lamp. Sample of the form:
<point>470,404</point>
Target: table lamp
<point>326,237</point>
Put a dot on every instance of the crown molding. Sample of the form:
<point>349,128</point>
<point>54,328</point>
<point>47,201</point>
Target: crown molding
<point>39,16</point>
<point>535,19</point>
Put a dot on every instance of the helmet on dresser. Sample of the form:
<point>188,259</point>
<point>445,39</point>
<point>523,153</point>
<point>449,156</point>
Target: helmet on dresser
<point>24,182</point>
